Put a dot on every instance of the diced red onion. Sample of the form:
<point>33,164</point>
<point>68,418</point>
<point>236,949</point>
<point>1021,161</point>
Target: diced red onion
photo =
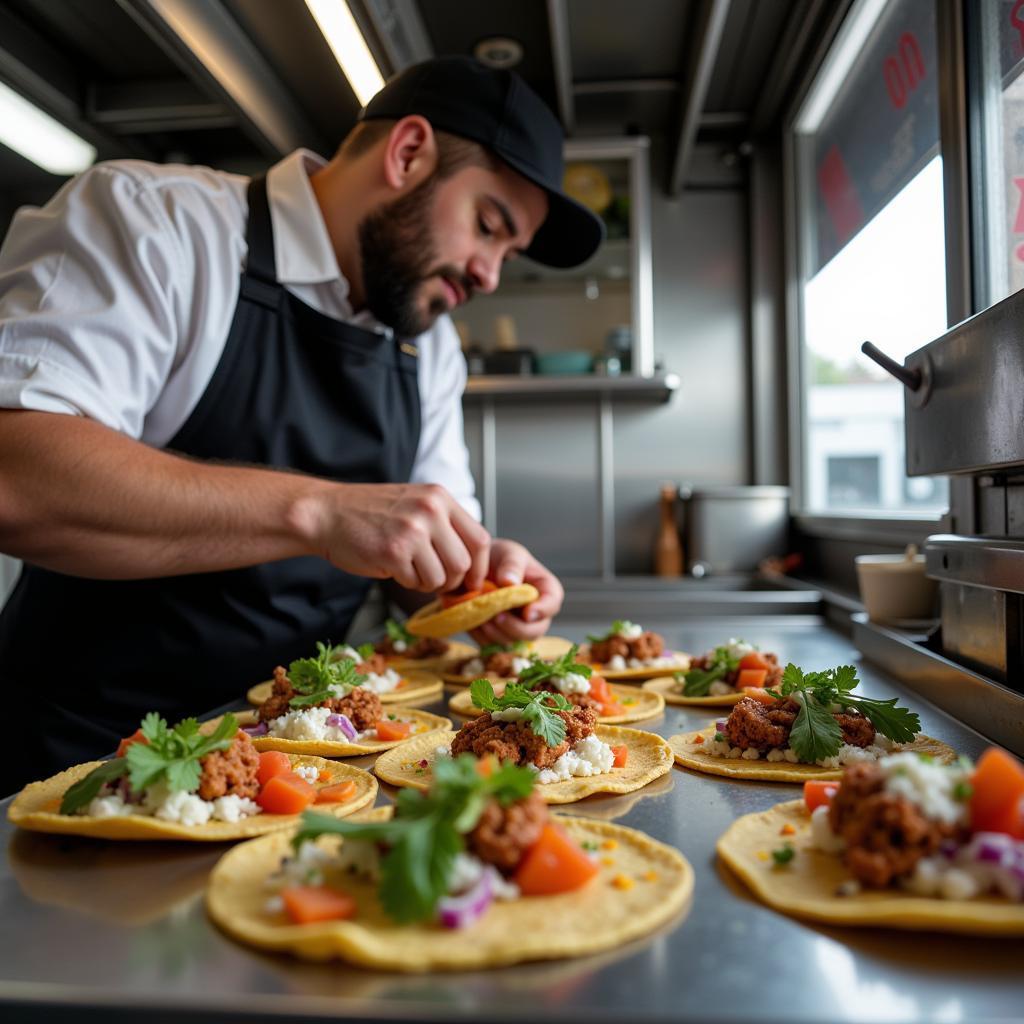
<point>720,725</point>
<point>459,911</point>
<point>256,730</point>
<point>949,848</point>
<point>991,847</point>
<point>344,723</point>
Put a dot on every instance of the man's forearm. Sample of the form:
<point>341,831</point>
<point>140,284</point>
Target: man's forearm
<point>79,498</point>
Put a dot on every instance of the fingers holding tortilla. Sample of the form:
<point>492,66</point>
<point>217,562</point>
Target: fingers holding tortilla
<point>452,614</point>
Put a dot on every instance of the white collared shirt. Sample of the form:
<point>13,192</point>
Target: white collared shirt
<point>117,296</point>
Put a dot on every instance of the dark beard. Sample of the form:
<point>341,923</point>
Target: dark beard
<point>397,254</point>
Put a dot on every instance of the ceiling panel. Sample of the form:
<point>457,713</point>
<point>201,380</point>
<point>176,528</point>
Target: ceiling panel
<point>455,26</point>
<point>637,39</point>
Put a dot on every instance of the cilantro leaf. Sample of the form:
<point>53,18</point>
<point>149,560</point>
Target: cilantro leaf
<point>538,707</point>
<point>697,681</point>
<point>539,671</point>
<point>173,755</point>
<point>815,733</point>
<point>426,833</point>
<point>319,679</point>
<point>398,633</point>
<point>82,793</point>
<point>518,647</point>
<point>618,626</point>
<point>366,651</point>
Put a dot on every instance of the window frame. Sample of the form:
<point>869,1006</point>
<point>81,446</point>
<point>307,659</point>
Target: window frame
<point>888,527</point>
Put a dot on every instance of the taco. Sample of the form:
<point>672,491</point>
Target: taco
<point>575,681</point>
<point>720,677</point>
<point>809,728</point>
<point>561,743</point>
<point>460,611</point>
<point>375,674</point>
<point>899,843</point>
<point>401,650</point>
<point>628,651</point>
<point>500,661</point>
<point>183,783</point>
<point>324,706</point>
<point>460,878</point>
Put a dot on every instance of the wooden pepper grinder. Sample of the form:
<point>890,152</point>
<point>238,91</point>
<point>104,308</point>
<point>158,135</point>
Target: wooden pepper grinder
<point>668,551</point>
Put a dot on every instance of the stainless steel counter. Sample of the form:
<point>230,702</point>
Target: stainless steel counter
<point>118,930</point>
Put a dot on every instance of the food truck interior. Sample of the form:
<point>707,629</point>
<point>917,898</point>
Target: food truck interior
<point>687,429</point>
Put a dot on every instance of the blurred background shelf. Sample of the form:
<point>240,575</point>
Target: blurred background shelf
<point>658,388</point>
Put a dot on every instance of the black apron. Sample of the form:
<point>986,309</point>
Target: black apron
<point>81,660</point>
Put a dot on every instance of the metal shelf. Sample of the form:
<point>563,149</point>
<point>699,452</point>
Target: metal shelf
<point>658,388</point>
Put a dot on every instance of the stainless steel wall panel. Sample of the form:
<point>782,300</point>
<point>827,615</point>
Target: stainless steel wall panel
<point>974,628</point>
<point>547,482</point>
<point>700,332</point>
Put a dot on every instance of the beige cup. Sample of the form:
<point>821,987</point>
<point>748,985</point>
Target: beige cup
<point>894,587</point>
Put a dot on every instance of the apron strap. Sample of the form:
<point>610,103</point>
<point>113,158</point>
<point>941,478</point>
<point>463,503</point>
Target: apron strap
<point>259,233</point>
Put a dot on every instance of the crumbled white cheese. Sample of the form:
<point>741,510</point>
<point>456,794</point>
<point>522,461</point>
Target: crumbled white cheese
<point>590,756</point>
<point>234,808</point>
<point>473,667</point>
<point>616,663</point>
<point>571,683</point>
<point>385,683</point>
<point>399,646</point>
<point>822,836</point>
<point>520,665</point>
<point>629,631</point>
<point>160,802</point>
<point>307,772</point>
<point>718,688</point>
<point>928,785</point>
<point>738,648</point>
<point>308,724</point>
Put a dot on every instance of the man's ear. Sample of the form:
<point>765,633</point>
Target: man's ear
<point>410,153</point>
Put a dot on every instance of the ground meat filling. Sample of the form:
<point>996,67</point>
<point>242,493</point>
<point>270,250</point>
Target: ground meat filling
<point>231,772</point>
<point>517,742</point>
<point>375,663</point>
<point>504,834</point>
<point>362,707</point>
<point>425,647</point>
<point>758,726</point>
<point>643,647</point>
<point>581,700</point>
<point>885,834</point>
<point>498,664</point>
<point>773,678</point>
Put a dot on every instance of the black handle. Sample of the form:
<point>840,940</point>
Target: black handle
<point>911,378</point>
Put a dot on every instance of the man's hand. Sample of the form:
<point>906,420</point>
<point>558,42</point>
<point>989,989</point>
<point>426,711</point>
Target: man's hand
<point>415,534</point>
<point>511,563</point>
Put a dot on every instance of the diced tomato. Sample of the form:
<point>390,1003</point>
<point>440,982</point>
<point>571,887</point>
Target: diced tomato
<point>388,730</point>
<point>621,756</point>
<point>600,690</point>
<point>998,787</point>
<point>612,707</point>
<point>553,864</point>
<point>818,792</point>
<point>272,762</point>
<point>759,693</point>
<point>136,737</point>
<point>486,765</point>
<point>751,677</point>
<point>1011,820</point>
<point>286,794</point>
<point>458,596</point>
<point>339,793</point>
<point>755,660</point>
<point>324,776</point>
<point>305,904</point>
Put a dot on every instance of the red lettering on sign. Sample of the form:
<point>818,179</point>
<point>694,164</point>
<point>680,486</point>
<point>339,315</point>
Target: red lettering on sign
<point>840,195</point>
<point>1018,224</point>
<point>903,72</point>
<point>1017,20</point>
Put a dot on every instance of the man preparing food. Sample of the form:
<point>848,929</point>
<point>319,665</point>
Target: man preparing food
<point>228,404</point>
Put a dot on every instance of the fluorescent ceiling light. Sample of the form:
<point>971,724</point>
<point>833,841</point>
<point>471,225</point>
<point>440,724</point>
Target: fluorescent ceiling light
<point>835,68</point>
<point>38,137</point>
<point>348,46</point>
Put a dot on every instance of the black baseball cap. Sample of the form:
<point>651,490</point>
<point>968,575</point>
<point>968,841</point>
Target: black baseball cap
<point>500,111</point>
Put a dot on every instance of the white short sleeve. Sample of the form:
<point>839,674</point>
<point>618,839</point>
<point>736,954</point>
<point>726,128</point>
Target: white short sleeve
<point>441,457</point>
<point>88,289</point>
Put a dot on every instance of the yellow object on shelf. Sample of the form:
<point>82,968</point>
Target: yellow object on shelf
<point>589,185</point>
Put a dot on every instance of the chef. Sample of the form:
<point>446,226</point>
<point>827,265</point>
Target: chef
<point>227,405</point>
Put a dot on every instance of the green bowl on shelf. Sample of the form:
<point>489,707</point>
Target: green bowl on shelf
<point>563,362</point>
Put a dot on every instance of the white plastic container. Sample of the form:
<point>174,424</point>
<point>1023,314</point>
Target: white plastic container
<point>894,588</point>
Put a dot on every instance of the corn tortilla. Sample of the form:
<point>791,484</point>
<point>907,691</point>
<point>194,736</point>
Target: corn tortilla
<point>649,758</point>
<point>689,755</point>
<point>414,686</point>
<point>602,915</point>
<point>436,621</point>
<point>424,724</point>
<point>639,705</point>
<point>36,808</point>
<point>547,648</point>
<point>807,885</point>
<point>622,675</point>
<point>456,649</point>
<point>668,687</point>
